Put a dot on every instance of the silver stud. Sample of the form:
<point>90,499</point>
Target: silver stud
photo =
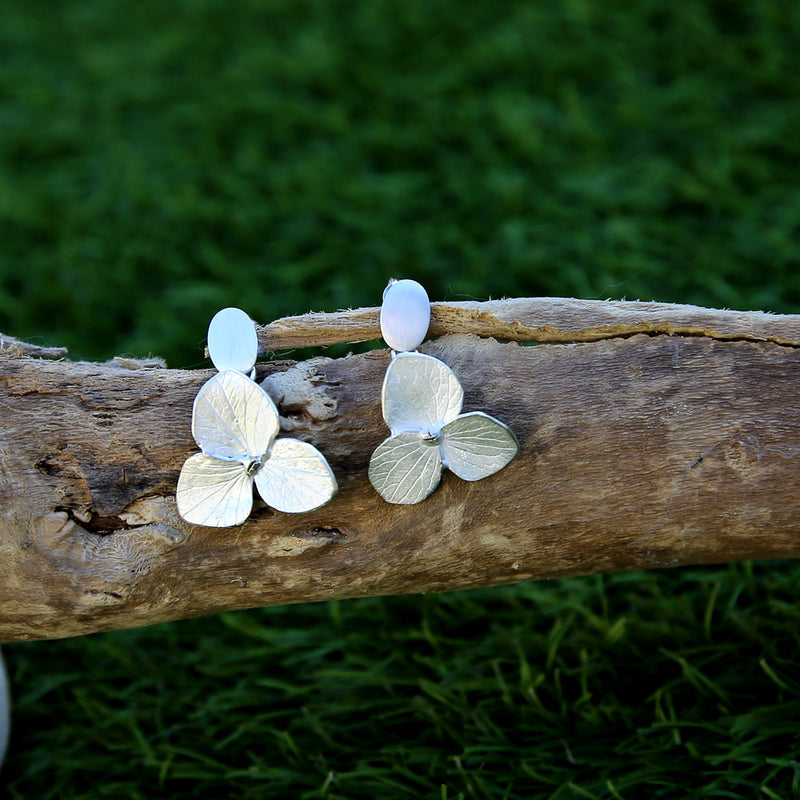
<point>405,315</point>
<point>232,340</point>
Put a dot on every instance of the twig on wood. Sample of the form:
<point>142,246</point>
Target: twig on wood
<point>543,320</point>
<point>14,348</point>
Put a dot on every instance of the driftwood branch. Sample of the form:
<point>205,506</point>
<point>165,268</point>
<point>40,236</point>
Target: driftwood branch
<point>669,435</point>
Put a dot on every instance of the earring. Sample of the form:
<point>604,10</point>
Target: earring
<point>421,401</point>
<point>235,424</point>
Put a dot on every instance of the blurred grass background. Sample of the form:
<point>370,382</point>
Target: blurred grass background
<point>159,161</point>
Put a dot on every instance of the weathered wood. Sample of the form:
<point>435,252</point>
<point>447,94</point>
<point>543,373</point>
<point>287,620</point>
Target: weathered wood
<point>542,320</point>
<point>637,451</point>
<point>9,346</point>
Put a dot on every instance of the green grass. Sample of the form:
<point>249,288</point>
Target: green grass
<point>673,685</point>
<point>161,160</point>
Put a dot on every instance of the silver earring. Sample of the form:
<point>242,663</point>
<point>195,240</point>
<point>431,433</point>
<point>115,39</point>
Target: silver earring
<point>421,401</point>
<point>235,424</point>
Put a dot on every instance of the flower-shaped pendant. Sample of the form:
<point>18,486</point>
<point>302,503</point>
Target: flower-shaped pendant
<point>421,403</point>
<point>235,424</point>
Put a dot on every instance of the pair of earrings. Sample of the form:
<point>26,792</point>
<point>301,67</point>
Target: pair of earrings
<point>235,423</point>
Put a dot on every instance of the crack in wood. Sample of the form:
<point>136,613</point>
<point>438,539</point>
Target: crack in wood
<point>102,525</point>
<point>546,335</point>
<point>325,532</point>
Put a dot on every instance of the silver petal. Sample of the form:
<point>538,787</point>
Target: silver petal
<point>476,445</point>
<point>295,478</point>
<point>420,393</point>
<point>232,340</point>
<point>405,468</point>
<point>213,492</point>
<point>234,418</point>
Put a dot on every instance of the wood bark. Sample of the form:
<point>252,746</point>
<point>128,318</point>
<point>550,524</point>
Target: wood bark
<point>651,436</point>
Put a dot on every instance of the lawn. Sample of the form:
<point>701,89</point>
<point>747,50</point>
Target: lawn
<point>159,161</point>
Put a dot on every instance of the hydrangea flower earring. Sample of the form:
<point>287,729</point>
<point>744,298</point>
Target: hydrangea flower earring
<point>235,424</point>
<point>421,401</point>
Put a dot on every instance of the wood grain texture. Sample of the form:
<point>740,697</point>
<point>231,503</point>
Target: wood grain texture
<point>542,320</point>
<point>637,451</point>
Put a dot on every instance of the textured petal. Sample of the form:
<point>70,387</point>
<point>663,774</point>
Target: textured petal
<point>232,340</point>
<point>420,393</point>
<point>234,418</point>
<point>476,445</point>
<point>295,478</point>
<point>405,468</point>
<point>213,492</point>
